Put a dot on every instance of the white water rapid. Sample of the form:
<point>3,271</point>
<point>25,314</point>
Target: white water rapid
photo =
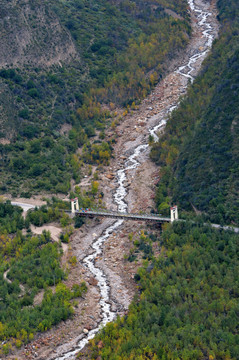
<point>185,70</point>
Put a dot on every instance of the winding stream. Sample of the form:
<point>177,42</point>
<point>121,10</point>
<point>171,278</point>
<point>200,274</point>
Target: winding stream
<point>185,70</point>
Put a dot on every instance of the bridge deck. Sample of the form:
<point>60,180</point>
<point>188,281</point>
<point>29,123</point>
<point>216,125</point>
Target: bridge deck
<point>121,215</point>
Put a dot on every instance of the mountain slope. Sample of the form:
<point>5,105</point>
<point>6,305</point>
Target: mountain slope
<point>63,61</point>
<point>32,35</point>
<point>202,135</point>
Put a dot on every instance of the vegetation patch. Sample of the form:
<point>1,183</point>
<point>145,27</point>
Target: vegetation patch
<point>29,264</point>
<point>188,306</point>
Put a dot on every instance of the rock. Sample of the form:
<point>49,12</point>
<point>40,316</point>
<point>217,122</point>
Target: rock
<point>85,331</point>
<point>110,176</point>
<point>113,308</point>
<point>92,281</point>
<point>88,327</point>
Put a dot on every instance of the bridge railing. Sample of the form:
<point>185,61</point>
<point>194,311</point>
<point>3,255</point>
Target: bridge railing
<point>113,212</point>
<point>117,214</point>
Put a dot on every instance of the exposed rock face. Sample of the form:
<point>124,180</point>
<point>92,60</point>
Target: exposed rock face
<point>32,35</point>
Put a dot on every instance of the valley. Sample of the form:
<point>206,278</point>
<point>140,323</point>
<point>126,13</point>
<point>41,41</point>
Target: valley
<point>100,246</point>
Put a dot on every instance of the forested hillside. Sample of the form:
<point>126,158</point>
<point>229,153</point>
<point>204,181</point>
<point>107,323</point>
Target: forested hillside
<point>90,53</point>
<point>199,149</point>
<point>188,305</point>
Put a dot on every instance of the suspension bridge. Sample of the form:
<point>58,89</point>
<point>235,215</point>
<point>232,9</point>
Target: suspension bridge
<point>84,212</point>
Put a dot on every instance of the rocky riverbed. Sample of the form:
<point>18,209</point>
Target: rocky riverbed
<point>100,245</point>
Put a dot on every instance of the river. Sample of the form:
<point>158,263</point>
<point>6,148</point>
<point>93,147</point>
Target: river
<point>186,70</point>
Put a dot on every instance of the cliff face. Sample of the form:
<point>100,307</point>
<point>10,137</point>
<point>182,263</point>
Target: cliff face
<point>32,35</point>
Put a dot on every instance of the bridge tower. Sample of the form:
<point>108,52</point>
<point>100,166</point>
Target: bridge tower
<point>74,205</point>
<point>174,213</point>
